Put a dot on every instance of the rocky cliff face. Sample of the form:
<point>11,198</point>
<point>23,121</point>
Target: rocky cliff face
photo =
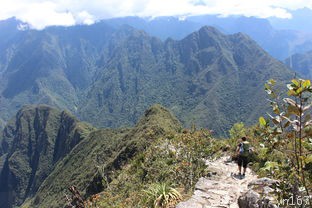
<point>31,145</point>
<point>301,63</point>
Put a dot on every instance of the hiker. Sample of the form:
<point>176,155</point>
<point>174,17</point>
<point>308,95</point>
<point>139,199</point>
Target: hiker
<point>243,151</point>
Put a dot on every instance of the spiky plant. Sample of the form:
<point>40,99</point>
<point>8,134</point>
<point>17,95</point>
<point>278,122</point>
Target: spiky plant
<point>161,195</point>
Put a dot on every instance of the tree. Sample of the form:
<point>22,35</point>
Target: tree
<point>238,130</point>
<point>291,131</point>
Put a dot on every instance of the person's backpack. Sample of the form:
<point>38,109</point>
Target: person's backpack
<point>244,149</point>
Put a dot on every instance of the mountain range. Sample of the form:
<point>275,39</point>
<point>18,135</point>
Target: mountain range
<point>278,40</point>
<point>108,76</point>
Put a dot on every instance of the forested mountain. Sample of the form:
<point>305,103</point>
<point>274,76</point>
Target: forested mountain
<point>108,76</point>
<point>201,78</point>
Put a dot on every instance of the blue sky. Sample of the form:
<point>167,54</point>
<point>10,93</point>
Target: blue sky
<point>42,13</point>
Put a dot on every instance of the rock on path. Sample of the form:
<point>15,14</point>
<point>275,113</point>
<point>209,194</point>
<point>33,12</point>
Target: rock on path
<point>221,189</point>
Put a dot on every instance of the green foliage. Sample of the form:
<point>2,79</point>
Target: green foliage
<point>191,148</point>
<point>270,168</point>
<point>161,196</point>
<point>262,122</point>
<point>286,141</point>
<point>237,131</point>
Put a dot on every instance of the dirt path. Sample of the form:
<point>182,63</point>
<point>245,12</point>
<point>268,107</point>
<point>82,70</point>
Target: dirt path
<point>221,189</point>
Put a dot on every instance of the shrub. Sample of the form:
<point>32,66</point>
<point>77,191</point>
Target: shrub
<point>161,196</point>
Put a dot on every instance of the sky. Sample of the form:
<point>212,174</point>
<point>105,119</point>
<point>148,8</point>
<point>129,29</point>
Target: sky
<point>41,13</point>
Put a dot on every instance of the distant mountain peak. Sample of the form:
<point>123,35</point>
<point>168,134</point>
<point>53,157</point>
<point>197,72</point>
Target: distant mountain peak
<point>210,29</point>
<point>13,24</point>
<point>10,21</point>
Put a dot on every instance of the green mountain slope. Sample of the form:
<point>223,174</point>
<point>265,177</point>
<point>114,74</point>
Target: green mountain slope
<point>110,149</point>
<point>302,63</point>
<point>108,77</point>
<point>31,145</point>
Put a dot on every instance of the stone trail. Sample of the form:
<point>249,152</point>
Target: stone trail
<point>220,189</point>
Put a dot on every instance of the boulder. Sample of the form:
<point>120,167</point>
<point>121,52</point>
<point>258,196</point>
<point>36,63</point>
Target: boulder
<point>260,194</point>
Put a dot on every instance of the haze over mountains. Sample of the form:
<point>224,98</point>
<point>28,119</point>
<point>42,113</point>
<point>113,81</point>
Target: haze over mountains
<point>299,20</point>
<point>280,37</point>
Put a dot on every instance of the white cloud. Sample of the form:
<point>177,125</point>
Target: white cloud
<point>85,18</point>
<point>38,14</point>
<point>41,13</point>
